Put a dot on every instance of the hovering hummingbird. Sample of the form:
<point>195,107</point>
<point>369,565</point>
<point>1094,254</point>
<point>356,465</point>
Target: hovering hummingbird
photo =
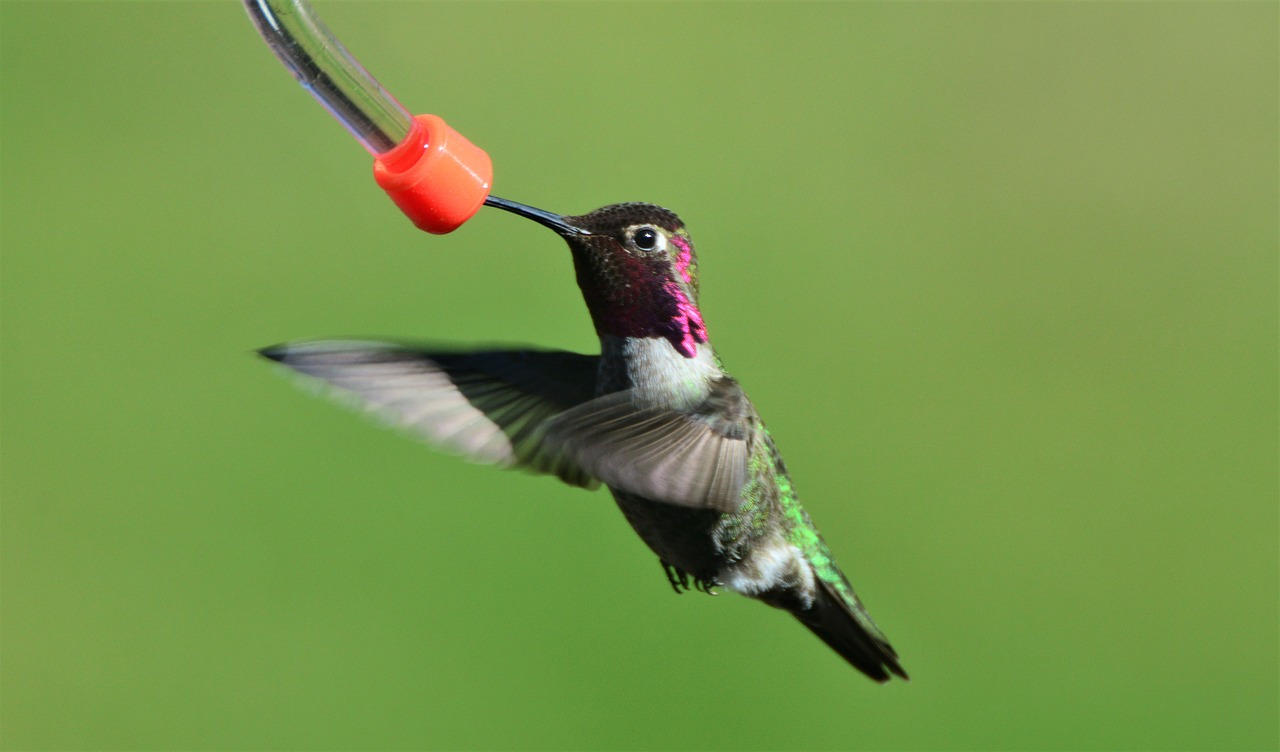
<point>654,417</point>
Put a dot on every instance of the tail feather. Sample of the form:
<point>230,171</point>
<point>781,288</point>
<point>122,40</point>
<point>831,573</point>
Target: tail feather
<point>849,631</point>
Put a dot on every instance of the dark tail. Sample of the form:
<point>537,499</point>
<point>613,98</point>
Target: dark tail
<point>845,626</point>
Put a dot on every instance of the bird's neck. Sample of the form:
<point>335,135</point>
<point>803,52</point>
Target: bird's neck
<point>656,371</point>
<point>633,297</point>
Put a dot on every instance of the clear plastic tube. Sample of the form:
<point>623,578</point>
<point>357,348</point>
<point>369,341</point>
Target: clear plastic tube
<point>324,67</point>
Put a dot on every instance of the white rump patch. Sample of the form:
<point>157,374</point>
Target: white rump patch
<point>777,564</point>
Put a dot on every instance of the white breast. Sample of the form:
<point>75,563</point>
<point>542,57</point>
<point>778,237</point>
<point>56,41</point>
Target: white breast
<point>660,373</point>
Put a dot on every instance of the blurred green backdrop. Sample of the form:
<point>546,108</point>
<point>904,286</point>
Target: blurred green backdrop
<point>1002,277</point>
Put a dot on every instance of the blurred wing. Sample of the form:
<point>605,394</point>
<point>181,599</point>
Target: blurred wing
<point>488,406</point>
<point>695,458</point>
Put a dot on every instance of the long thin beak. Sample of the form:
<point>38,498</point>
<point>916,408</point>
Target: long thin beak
<point>545,218</point>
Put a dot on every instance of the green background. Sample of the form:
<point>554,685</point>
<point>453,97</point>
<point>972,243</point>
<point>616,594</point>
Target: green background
<point>1002,278</point>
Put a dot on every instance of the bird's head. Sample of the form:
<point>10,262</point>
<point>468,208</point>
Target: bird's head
<point>637,269</point>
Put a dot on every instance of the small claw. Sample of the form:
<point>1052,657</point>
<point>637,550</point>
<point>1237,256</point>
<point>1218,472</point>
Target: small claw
<point>676,578</point>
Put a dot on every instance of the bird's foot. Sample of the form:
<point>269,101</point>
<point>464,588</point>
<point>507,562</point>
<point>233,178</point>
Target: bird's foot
<point>677,577</point>
<point>679,580</point>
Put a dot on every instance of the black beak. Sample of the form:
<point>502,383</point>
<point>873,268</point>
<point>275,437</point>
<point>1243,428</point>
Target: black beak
<point>545,218</point>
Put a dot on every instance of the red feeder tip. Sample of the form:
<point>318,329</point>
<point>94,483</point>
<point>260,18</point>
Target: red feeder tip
<point>437,177</point>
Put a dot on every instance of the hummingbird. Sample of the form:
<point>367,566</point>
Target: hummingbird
<point>654,417</point>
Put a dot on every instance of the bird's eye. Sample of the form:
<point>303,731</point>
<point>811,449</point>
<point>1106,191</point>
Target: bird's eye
<point>646,239</point>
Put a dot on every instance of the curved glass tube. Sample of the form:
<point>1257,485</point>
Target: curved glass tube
<point>324,67</point>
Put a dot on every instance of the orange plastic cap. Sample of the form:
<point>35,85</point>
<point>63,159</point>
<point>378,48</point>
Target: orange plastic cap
<point>438,178</point>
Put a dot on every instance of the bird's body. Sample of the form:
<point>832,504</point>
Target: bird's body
<point>654,417</point>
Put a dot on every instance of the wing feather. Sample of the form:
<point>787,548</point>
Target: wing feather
<point>536,409</point>
<point>696,458</point>
<point>489,406</point>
